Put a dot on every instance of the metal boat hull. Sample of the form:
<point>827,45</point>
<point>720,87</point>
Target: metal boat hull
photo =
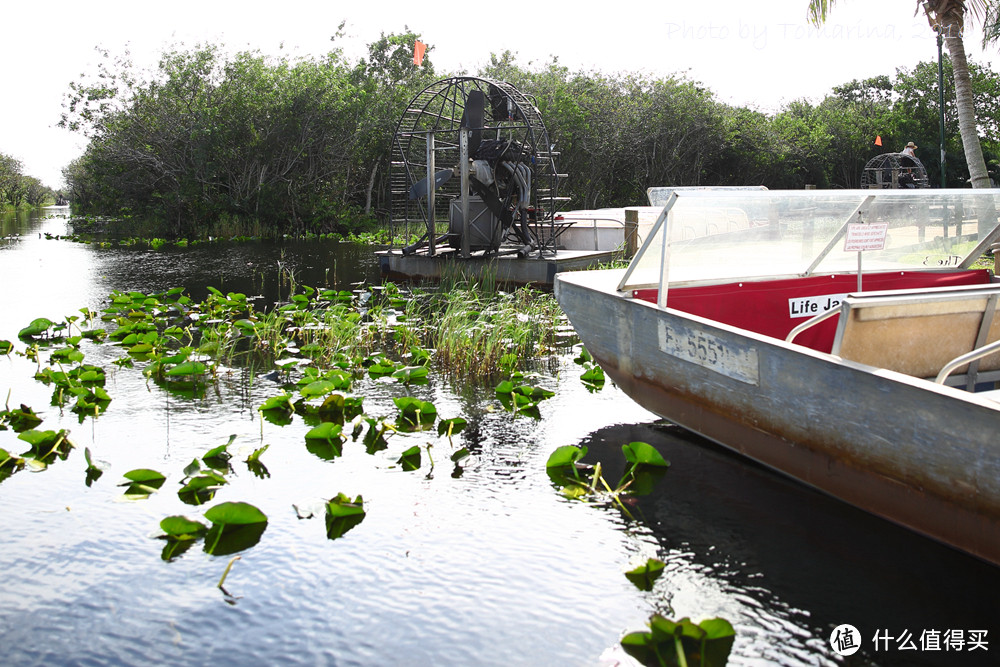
<point>919,454</point>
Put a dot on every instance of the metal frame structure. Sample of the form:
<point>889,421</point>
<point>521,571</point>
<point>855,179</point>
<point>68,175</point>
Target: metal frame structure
<point>437,132</point>
<point>894,170</point>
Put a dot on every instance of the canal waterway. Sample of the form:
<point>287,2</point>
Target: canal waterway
<point>486,563</point>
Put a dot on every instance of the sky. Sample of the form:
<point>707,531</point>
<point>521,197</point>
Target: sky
<point>756,54</point>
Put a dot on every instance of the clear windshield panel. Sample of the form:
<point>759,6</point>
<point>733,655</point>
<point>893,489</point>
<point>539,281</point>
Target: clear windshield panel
<point>732,235</point>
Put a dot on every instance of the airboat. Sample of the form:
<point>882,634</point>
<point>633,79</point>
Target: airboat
<point>473,179</point>
<point>894,171</point>
<point>845,338</point>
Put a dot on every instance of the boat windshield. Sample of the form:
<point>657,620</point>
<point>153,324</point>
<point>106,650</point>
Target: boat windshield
<point>704,236</point>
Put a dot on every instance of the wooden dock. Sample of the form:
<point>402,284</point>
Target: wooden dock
<point>507,269</point>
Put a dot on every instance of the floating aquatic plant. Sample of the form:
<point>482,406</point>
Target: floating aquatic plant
<point>414,414</point>
<point>142,482</point>
<point>645,575</point>
<point>38,327</point>
<point>521,398</point>
<point>410,459</point>
<point>236,526</point>
<point>343,514</point>
<point>579,480</point>
<point>180,533</point>
<point>19,419</point>
<point>450,427</point>
<point>326,440</point>
<point>255,465</point>
<point>707,644</point>
<point>218,457</point>
<point>93,472</point>
<point>199,488</point>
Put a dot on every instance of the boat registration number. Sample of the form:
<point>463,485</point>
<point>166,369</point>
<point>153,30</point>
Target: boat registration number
<point>735,361</point>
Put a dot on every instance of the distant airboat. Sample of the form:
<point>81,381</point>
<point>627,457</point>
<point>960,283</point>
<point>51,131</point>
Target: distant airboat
<point>475,153</point>
<point>894,171</point>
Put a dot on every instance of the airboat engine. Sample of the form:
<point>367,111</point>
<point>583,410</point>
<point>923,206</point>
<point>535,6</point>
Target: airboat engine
<point>498,150</point>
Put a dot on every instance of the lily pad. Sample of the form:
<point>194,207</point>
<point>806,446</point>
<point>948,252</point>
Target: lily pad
<point>415,413</point>
<point>564,456</point>
<point>707,644</point>
<point>20,419</point>
<point>410,459</point>
<point>646,574</point>
<point>451,426</point>
<point>182,528</point>
<point>142,482</point>
<point>343,514</point>
<point>200,489</point>
<point>643,454</point>
<point>236,526</point>
<point>188,368</point>
<point>37,327</point>
<point>326,440</point>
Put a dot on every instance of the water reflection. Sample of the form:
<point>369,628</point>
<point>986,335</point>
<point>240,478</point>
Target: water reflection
<point>786,564</point>
<point>490,567</point>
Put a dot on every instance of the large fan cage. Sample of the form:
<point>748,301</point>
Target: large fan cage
<point>893,171</point>
<point>510,119</point>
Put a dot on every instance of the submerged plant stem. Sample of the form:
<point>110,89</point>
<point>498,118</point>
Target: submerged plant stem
<point>225,574</point>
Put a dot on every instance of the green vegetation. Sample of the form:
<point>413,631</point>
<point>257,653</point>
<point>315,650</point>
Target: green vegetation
<point>322,349</point>
<point>318,343</point>
<point>18,189</point>
<point>682,643</point>
<point>217,144</point>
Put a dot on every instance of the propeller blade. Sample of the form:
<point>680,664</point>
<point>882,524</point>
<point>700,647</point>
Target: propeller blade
<point>419,189</point>
<point>472,118</point>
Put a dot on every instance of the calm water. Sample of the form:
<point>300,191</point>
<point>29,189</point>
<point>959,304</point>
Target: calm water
<point>492,567</point>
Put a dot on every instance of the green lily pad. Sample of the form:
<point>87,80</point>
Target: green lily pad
<point>326,440</point>
<point>451,426</point>
<point>37,327</point>
<point>415,413</point>
<point>235,514</point>
<point>236,526</point>
<point>188,368</point>
<point>567,455</point>
<point>343,514</point>
<point>707,644</point>
<point>643,454</point>
<point>410,459</point>
<point>142,482</point>
<point>200,489</point>
<point>646,574</point>
<point>182,528</point>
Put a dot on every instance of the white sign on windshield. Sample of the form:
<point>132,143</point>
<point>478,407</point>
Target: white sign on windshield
<point>865,236</point>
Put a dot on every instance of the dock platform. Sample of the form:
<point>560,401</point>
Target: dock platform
<point>508,269</point>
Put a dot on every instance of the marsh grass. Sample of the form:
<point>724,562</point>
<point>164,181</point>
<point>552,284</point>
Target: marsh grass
<point>479,331</point>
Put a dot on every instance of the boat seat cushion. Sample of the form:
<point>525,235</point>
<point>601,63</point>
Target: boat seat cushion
<point>918,332</point>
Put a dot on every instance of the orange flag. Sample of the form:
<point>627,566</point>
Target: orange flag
<point>418,52</point>
<point>878,139</point>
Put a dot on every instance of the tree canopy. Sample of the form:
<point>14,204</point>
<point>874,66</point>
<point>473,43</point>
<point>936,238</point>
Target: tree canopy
<point>302,144</point>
